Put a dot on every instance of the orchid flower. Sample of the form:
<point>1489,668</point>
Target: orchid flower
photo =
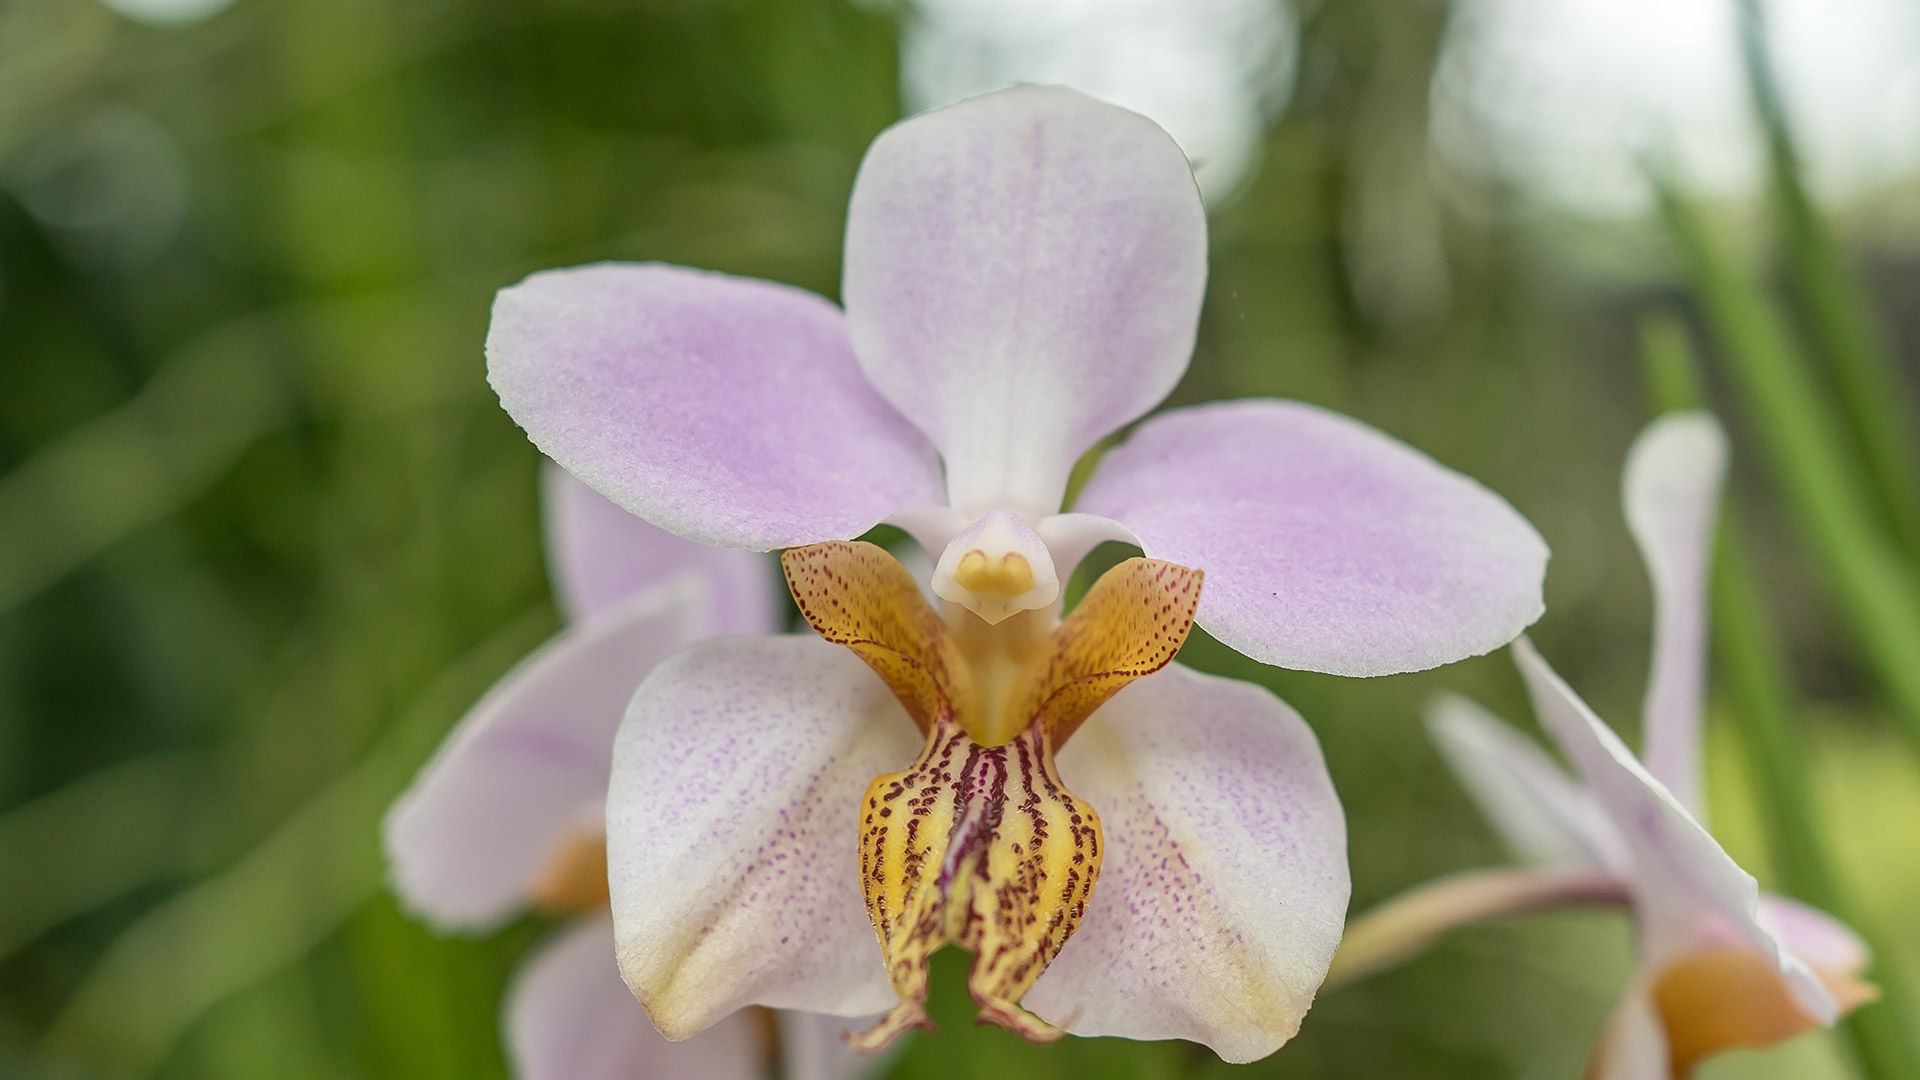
<point>1023,277</point>
<point>509,817</point>
<point>1722,966</point>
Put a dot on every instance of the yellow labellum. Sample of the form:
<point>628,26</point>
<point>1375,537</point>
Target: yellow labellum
<point>979,844</point>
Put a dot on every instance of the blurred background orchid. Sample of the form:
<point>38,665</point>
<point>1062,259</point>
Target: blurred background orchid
<point>265,535</point>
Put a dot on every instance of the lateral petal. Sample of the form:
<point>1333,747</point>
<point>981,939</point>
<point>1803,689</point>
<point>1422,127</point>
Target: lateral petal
<point>1225,884</point>
<point>1633,1045</point>
<point>526,769</point>
<point>1024,273</point>
<point>732,824</point>
<point>1829,946</point>
<point>722,409</point>
<point>599,555</point>
<point>1327,545</point>
<point>569,1017</point>
<point>1544,815</point>
<point>1688,892</point>
<point>814,1047</point>
<point>1671,490</point>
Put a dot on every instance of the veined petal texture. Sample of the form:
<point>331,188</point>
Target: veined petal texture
<point>732,818</point>
<point>1327,545</point>
<point>1225,884</point>
<point>723,409</point>
<point>1024,274</point>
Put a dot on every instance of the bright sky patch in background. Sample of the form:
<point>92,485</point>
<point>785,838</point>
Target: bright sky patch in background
<point>1563,97</point>
<point>1211,72</point>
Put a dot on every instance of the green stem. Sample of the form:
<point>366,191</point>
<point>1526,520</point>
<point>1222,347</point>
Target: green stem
<point>1871,584</point>
<point>1846,334</point>
<point>1752,666</point>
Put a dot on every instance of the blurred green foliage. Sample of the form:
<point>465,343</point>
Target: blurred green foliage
<point>265,533</point>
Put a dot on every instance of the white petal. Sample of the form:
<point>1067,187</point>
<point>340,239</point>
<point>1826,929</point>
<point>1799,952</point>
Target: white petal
<point>1634,1044</point>
<point>732,848</point>
<point>601,555</point>
<point>1224,885</point>
<point>1823,942</point>
<point>569,1017</point>
<point>1328,545</point>
<point>1686,887</point>
<point>1072,537</point>
<point>814,1047</point>
<point>1671,489</point>
<point>1544,816</point>
<point>1024,272</point>
<point>723,409</point>
<point>528,765</point>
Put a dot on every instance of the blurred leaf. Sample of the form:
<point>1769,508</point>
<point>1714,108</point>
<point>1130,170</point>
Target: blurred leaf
<point>141,462</point>
<point>47,47</point>
<point>297,887</point>
<point>1846,332</point>
<point>92,841</point>
<point>1873,587</point>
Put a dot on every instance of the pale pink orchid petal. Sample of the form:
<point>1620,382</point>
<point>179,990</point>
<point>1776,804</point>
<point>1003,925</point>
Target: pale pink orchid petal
<point>726,410</point>
<point>1327,545</point>
<point>1823,942</point>
<point>601,555</point>
<point>1544,816</point>
<point>1671,490</point>
<point>1224,884</point>
<point>731,830</point>
<point>1688,892</point>
<point>1024,273</point>
<point>814,1047</point>
<point>1633,1045</point>
<point>527,766</point>
<point>569,1017</point>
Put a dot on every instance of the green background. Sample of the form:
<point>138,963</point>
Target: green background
<point>265,532</point>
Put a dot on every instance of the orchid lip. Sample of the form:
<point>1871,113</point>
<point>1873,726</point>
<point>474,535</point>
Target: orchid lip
<point>979,843</point>
<point>1723,997</point>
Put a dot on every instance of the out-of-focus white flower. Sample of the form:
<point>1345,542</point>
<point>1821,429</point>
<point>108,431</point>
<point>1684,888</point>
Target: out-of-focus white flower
<point>1721,966</point>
